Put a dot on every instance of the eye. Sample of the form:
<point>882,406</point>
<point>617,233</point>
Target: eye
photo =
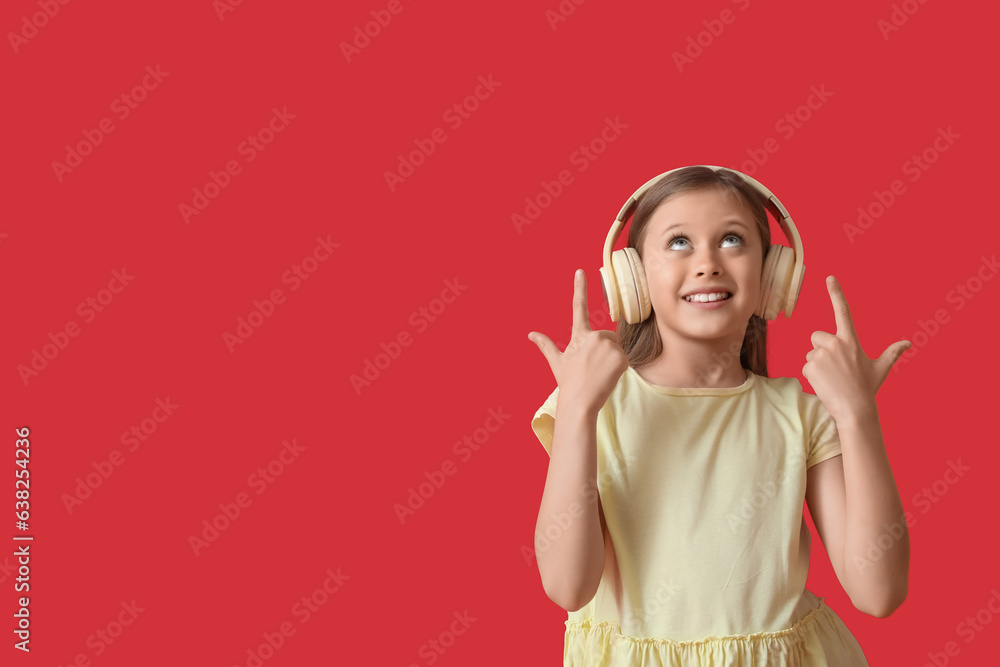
<point>675,237</point>
<point>740,240</point>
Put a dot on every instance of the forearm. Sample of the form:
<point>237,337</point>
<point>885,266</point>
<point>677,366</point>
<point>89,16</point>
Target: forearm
<point>876,544</point>
<point>569,541</point>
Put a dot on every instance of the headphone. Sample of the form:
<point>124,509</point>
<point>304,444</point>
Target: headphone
<point>624,280</point>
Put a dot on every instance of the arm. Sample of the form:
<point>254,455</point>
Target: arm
<point>855,505</point>
<point>853,498</point>
<point>570,531</point>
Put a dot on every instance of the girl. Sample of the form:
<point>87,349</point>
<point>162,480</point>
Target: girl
<point>671,526</point>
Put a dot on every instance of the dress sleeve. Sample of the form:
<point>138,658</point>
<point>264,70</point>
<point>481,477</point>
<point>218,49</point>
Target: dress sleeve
<point>543,423</point>
<point>823,438</point>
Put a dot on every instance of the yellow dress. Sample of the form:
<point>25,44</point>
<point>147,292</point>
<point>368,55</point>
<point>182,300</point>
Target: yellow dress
<point>703,493</point>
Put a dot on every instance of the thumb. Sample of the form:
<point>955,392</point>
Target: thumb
<point>544,344</point>
<point>892,355</point>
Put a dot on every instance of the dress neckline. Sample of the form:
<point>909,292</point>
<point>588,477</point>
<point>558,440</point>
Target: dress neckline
<point>696,391</point>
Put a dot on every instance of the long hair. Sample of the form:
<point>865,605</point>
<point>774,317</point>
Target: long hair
<point>641,342</point>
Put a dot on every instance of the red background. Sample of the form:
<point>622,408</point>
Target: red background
<point>323,176</point>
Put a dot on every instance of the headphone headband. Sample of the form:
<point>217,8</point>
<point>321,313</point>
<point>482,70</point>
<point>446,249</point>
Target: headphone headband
<point>771,203</point>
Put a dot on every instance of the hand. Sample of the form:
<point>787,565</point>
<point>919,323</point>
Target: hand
<point>840,372</point>
<point>589,368</point>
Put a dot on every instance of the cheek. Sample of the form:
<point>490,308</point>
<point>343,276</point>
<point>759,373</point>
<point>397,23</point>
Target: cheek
<point>751,275</point>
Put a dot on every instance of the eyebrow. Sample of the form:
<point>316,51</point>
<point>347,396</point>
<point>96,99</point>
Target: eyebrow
<point>728,221</point>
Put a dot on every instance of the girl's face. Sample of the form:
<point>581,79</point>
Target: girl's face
<point>704,238</point>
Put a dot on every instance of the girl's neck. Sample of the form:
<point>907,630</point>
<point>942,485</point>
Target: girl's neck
<point>686,363</point>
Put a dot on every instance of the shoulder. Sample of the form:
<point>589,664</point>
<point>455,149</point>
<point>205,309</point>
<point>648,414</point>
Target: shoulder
<point>790,390</point>
<point>798,406</point>
<point>786,396</point>
<point>780,389</point>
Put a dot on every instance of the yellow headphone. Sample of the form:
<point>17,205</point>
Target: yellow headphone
<point>624,280</point>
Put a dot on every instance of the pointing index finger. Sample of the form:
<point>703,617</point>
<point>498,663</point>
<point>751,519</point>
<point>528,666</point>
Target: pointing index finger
<point>841,311</point>
<point>581,318</point>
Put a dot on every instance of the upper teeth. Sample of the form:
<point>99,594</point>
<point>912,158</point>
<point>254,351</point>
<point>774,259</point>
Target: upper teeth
<point>714,296</point>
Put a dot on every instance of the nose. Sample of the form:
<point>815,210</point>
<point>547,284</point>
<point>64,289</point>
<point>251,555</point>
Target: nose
<point>706,262</point>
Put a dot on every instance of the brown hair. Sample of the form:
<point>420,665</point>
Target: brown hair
<point>641,342</point>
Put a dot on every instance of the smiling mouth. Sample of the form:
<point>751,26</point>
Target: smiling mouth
<point>708,298</point>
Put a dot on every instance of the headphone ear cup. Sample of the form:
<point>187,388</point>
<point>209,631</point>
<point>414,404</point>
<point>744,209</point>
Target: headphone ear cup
<point>776,287</point>
<point>610,294</point>
<point>626,286</point>
<point>782,296</point>
<point>621,265</point>
<point>643,304</point>
<point>767,281</point>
